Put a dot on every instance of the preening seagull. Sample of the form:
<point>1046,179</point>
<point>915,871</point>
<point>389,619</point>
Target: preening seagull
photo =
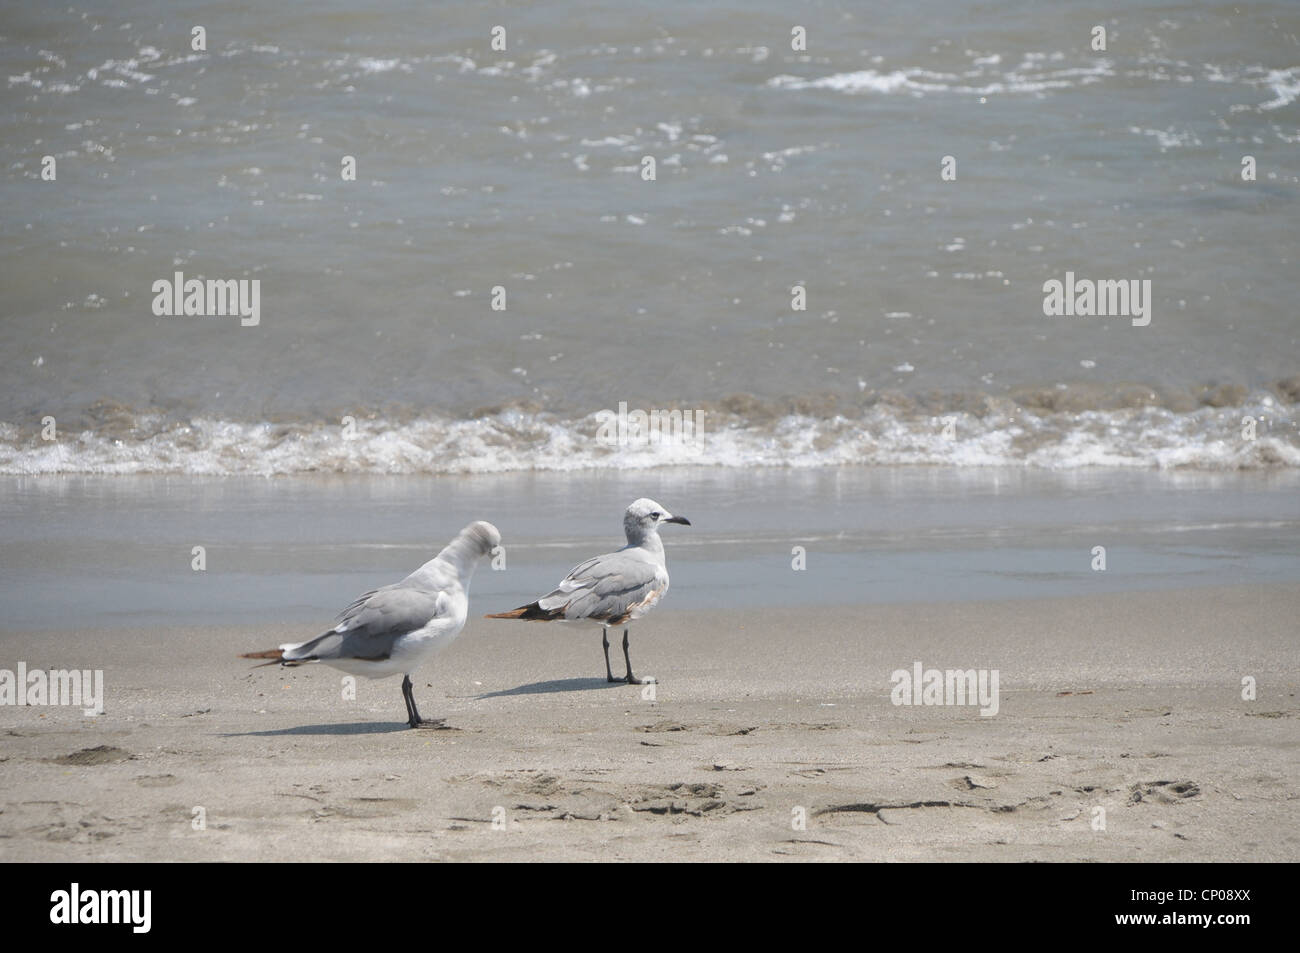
<point>393,629</point>
<point>613,589</point>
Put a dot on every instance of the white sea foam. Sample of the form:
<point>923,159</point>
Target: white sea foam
<point>879,435</point>
<point>1031,76</point>
<point>919,82</point>
<point>1285,85</point>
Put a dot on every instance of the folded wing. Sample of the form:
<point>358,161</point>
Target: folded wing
<point>368,628</point>
<point>612,588</point>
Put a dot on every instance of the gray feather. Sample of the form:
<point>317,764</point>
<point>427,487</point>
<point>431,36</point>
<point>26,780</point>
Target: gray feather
<point>606,587</point>
<point>374,621</point>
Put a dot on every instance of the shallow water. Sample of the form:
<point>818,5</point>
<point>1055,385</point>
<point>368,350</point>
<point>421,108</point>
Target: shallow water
<point>521,169</point>
<point>117,551</point>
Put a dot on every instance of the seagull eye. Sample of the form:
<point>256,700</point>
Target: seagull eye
<point>656,515</point>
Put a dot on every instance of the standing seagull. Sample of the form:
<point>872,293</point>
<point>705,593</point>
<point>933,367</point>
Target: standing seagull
<point>612,589</point>
<point>395,628</point>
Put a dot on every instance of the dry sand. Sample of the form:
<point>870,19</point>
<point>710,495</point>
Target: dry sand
<point>1130,703</point>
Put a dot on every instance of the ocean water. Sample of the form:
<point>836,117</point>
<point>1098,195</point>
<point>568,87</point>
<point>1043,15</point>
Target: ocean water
<point>923,339</point>
<point>117,552</point>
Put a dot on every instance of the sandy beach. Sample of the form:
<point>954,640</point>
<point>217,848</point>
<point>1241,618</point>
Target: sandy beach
<point>1127,702</point>
<point>964,337</point>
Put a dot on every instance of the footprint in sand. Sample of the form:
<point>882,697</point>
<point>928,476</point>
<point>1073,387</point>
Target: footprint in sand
<point>102,754</point>
<point>1163,792</point>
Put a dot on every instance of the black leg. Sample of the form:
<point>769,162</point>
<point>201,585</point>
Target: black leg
<point>631,679</point>
<point>408,696</point>
<point>604,640</point>
<point>412,713</point>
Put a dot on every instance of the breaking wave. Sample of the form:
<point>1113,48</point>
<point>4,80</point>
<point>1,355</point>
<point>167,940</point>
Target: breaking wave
<point>1257,431</point>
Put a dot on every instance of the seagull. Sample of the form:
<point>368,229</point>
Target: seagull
<point>393,629</point>
<point>613,589</point>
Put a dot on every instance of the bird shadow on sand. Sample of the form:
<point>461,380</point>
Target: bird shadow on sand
<point>557,685</point>
<point>348,728</point>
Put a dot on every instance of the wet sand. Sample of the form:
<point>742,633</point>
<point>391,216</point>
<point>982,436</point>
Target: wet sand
<point>1125,702</point>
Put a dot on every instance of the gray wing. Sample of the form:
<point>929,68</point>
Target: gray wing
<point>368,627</point>
<point>607,588</point>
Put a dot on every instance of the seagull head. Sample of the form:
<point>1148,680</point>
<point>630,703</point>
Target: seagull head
<point>482,536</point>
<point>645,516</point>
<point>471,544</point>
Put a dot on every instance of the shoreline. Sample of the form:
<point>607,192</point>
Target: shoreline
<point>288,549</point>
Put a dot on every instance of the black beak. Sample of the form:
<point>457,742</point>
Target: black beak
<point>679,519</point>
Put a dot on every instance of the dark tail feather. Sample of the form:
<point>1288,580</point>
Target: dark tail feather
<point>275,655</point>
<point>530,613</point>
